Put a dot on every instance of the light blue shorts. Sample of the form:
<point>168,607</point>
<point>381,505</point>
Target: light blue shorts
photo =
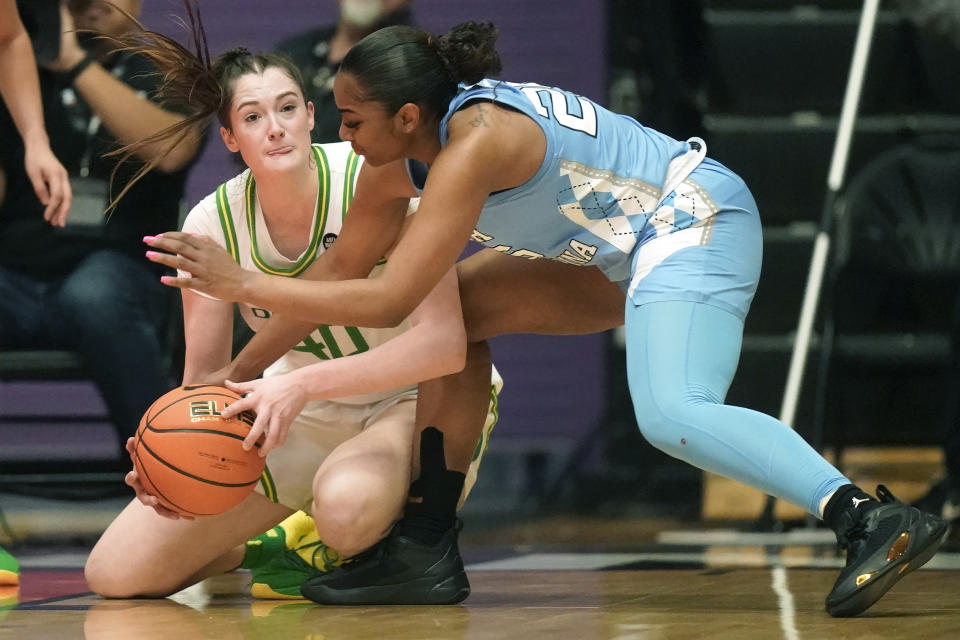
<point>716,262</point>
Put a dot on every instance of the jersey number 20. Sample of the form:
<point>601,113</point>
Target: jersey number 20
<point>586,122</point>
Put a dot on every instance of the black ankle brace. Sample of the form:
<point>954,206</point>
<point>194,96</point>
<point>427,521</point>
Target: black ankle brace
<point>432,510</point>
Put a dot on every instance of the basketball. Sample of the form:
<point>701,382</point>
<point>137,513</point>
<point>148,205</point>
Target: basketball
<point>190,458</point>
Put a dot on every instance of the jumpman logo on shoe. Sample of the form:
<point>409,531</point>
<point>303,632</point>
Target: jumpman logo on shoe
<point>857,501</point>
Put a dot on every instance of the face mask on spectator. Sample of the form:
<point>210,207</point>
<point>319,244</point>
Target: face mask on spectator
<point>361,13</point>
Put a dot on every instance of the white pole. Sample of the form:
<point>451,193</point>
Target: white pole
<point>821,247</point>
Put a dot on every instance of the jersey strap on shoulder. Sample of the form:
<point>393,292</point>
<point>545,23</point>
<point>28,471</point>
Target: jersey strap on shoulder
<point>349,181</point>
<point>226,223</point>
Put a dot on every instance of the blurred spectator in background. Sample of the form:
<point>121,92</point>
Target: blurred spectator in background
<point>87,286</point>
<point>20,89</point>
<point>318,53</point>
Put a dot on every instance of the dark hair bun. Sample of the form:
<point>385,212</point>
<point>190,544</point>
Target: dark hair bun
<point>229,58</point>
<point>468,51</point>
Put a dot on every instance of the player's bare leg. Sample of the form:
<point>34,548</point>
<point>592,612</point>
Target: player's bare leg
<point>500,294</point>
<point>503,294</point>
<point>360,489</point>
<point>142,554</point>
<point>358,492</point>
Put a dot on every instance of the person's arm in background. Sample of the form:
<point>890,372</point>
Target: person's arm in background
<point>20,89</point>
<point>128,115</point>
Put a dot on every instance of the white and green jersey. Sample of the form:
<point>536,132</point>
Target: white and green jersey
<point>232,217</point>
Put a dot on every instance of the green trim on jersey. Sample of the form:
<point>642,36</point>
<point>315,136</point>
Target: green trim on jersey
<point>226,223</point>
<point>484,440</point>
<point>349,181</point>
<point>323,206</point>
<point>269,486</point>
<point>349,184</point>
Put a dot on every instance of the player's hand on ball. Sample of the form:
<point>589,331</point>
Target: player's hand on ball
<point>212,270</point>
<point>132,479</point>
<point>276,401</point>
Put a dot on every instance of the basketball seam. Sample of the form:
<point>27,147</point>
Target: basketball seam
<point>226,434</point>
<point>146,474</point>
<point>229,485</point>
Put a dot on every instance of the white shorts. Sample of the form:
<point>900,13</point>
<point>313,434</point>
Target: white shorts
<point>324,425</point>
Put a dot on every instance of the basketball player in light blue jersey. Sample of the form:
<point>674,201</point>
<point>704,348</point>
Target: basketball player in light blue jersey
<point>634,222</point>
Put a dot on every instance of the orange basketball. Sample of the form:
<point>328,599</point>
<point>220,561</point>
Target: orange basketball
<point>190,458</point>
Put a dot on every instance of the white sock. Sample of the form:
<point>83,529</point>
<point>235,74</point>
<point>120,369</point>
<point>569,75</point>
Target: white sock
<point>823,502</point>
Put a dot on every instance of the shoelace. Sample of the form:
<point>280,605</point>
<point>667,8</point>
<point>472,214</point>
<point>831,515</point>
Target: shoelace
<point>884,494</point>
<point>376,551</point>
<point>858,530</point>
<point>314,547</point>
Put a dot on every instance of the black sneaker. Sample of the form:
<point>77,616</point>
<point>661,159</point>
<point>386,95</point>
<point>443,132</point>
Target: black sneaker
<point>397,570</point>
<point>885,541</point>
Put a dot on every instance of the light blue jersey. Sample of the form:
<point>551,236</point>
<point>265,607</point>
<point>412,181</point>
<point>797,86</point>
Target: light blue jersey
<point>594,198</point>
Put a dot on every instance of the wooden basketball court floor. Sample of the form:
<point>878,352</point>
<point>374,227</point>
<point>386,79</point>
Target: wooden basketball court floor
<point>686,584</point>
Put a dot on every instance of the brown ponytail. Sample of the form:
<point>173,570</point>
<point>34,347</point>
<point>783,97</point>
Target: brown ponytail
<point>190,81</point>
<point>186,81</point>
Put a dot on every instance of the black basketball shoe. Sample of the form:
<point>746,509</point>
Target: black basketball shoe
<point>885,540</point>
<point>397,570</point>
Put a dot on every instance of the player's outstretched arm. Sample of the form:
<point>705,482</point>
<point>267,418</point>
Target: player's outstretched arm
<point>370,228</point>
<point>434,346</point>
<point>431,245</point>
<point>208,327</point>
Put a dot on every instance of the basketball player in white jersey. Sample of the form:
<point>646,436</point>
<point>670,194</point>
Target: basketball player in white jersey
<point>338,410</point>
